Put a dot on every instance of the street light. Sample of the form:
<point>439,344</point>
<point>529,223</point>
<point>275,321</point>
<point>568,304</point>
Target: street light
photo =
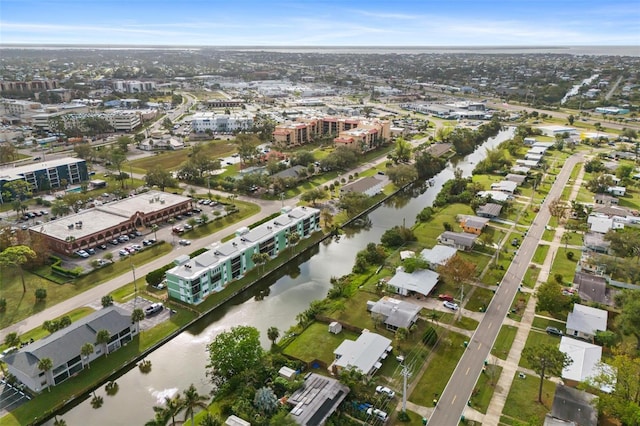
<point>135,285</point>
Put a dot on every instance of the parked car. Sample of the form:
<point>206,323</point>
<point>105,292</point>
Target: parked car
<point>153,309</point>
<point>114,242</point>
<point>446,297</point>
<point>102,246</point>
<point>385,390</point>
<point>123,253</point>
<point>146,242</point>
<point>44,212</point>
<point>184,242</point>
<point>553,331</point>
<point>91,251</point>
<point>451,305</point>
<point>82,253</point>
<point>177,230</point>
<point>103,262</point>
<point>137,247</point>
<point>138,233</point>
<point>123,238</point>
<point>378,413</point>
<point>187,227</point>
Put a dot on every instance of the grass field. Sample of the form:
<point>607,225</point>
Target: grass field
<point>479,299</point>
<point>482,393</point>
<point>315,342</point>
<point>505,339</point>
<point>536,338</point>
<point>522,404</point>
<point>541,254</point>
<point>171,160</point>
<point>563,266</point>
<point>22,305</point>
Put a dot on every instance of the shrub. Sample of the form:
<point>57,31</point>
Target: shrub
<point>430,336</point>
<point>570,255</point>
<point>559,278</point>
<point>3,304</point>
<point>41,294</point>
<point>106,301</point>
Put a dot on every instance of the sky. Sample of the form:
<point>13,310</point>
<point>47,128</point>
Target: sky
<point>322,23</point>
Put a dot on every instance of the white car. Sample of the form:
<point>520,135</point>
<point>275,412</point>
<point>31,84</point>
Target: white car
<point>123,253</point>
<point>451,305</point>
<point>385,390</point>
<point>378,413</point>
<point>82,253</point>
<point>184,242</point>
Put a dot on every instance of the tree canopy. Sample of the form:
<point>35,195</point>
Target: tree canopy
<point>233,352</point>
<point>546,360</point>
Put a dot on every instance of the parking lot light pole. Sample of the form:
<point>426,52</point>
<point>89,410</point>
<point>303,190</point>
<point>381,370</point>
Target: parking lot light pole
<point>135,285</point>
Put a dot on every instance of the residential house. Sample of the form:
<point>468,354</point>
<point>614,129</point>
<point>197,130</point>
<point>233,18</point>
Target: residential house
<point>161,141</point>
<point>369,186</point>
<point>394,313</point>
<point>591,288</point>
<point>497,196</point>
<point>505,186</point>
<point>533,157</point>
<point>290,173</point>
<point>439,255</point>
<point>528,163</point>
<point>421,281</point>
<point>439,149</point>
<point>473,224</point>
<point>459,240</point>
<point>586,359</point>
<point>234,420</point>
<point>63,348</point>
<point>365,354</point>
<point>192,280</point>
<point>316,400</point>
<point>618,191</point>
<point>594,241</point>
<point>489,210</point>
<point>605,199</point>
<point>572,407</point>
<point>512,177</point>
<point>585,321</point>
<point>522,170</point>
<point>600,224</point>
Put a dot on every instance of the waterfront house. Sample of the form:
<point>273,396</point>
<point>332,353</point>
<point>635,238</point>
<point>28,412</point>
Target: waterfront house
<point>473,224</point>
<point>316,400</point>
<point>365,354</point>
<point>369,186</point>
<point>420,281</point>
<point>459,240</point>
<point>439,255</point>
<point>489,210</point>
<point>394,313</point>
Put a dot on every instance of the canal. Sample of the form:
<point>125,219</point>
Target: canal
<point>183,360</point>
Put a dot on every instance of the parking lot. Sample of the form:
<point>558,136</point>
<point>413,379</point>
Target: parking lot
<point>152,320</point>
<point>10,397</point>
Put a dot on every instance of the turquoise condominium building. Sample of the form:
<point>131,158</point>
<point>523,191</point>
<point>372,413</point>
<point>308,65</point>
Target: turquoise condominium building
<point>192,280</point>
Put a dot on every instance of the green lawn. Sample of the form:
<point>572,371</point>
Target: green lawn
<point>522,403</point>
<point>479,299</point>
<point>548,235</point>
<point>444,360</point>
<point>428,232</point>
<point>518,306</point>
<point>563,266</point>
<point>543,323</point>
<point>505,339</point>
<point>315,342</point>
<point>536,338</point>
<point>483,391</point>
<point>541,254</point>
<point>171,160</point>
<point>463,322</point>
<point>531,276</point>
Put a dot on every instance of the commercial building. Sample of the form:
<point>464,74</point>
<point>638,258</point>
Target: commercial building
<point>192,280</point>
<point>63,348</point>
<point>134,86</point>
<point>103,223</point>
<point>47,174</point>
<point>221,123</point>
<point>120,120</point>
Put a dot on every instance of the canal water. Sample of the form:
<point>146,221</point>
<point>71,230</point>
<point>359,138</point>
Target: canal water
<point>183,360</point>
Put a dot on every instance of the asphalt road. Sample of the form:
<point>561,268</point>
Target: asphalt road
<point>458,391</point>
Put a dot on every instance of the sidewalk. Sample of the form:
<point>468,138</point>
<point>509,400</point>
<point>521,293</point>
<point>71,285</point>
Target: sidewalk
<point>510,366</point>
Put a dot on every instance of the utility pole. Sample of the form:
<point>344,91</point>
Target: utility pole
<point>135,285</point>
<point>405,375</point>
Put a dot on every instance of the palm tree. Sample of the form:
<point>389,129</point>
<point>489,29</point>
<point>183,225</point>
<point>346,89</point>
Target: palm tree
<point>86,350</point>
<point>292,239</point>
<point>272,334</point>
<point>136,316</point>
<point>102,338</point>
<point>172,406</point>
<point>12,339</point>
<point>59,422</point>
<point>46,365</point>
<point>259,258</point>
<point>192,400</point>
<point>154,228</point>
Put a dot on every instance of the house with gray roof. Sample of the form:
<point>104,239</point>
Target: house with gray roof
<point>572,407</point>
<point>368,185</point>
<point>439,255</point>
<point>63,348</point>
<point>512,177</point>
<point>364,354</point>
<point>316,400</point>
<point>591,288</point>
<point>585,321</point>
<point>394,313</point>
<point>594,241</point>
<point>420,281</point>
<point>489,210</point>
<point>473,224</point>
<point>459,240</point>
<point>291,172</point>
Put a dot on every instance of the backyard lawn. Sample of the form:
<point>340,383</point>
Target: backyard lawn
<point>315,342</point>
<point>522,403</point>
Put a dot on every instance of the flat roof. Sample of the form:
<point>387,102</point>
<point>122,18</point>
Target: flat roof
<point>95,219</point>
<point>13,173</point>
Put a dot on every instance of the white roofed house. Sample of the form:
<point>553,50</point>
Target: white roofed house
<point>505,186</point>
<point>421,281</point>
<point>584,322</point>
<point>439,255</point>
<point>365,354</point>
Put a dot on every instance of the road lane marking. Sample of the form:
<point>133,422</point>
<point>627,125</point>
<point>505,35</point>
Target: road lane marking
<point>479,346</point>
<point>491,324</point>
<point>454,399</point>
<point>467,373</point>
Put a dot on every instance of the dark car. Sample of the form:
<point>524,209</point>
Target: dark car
<point>553,331</point>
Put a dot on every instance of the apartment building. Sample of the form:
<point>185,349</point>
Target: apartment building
<point>192,280</point>
<point>28,86</point>
<point>356,132</point>
<point>47,174</point>
<point>134,86</point>
<point>120,120</point>
<point>221,123</point>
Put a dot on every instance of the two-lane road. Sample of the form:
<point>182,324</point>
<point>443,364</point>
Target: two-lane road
<point>464,378</point>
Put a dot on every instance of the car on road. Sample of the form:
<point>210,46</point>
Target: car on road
<point>447,297</point>
<point>378,413</point>
<point>153,309</point>
<point>385,390</point>
<point>184,242</point>
<point>451,305</point>
<point>177,230</point>
<point>553,331</point>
